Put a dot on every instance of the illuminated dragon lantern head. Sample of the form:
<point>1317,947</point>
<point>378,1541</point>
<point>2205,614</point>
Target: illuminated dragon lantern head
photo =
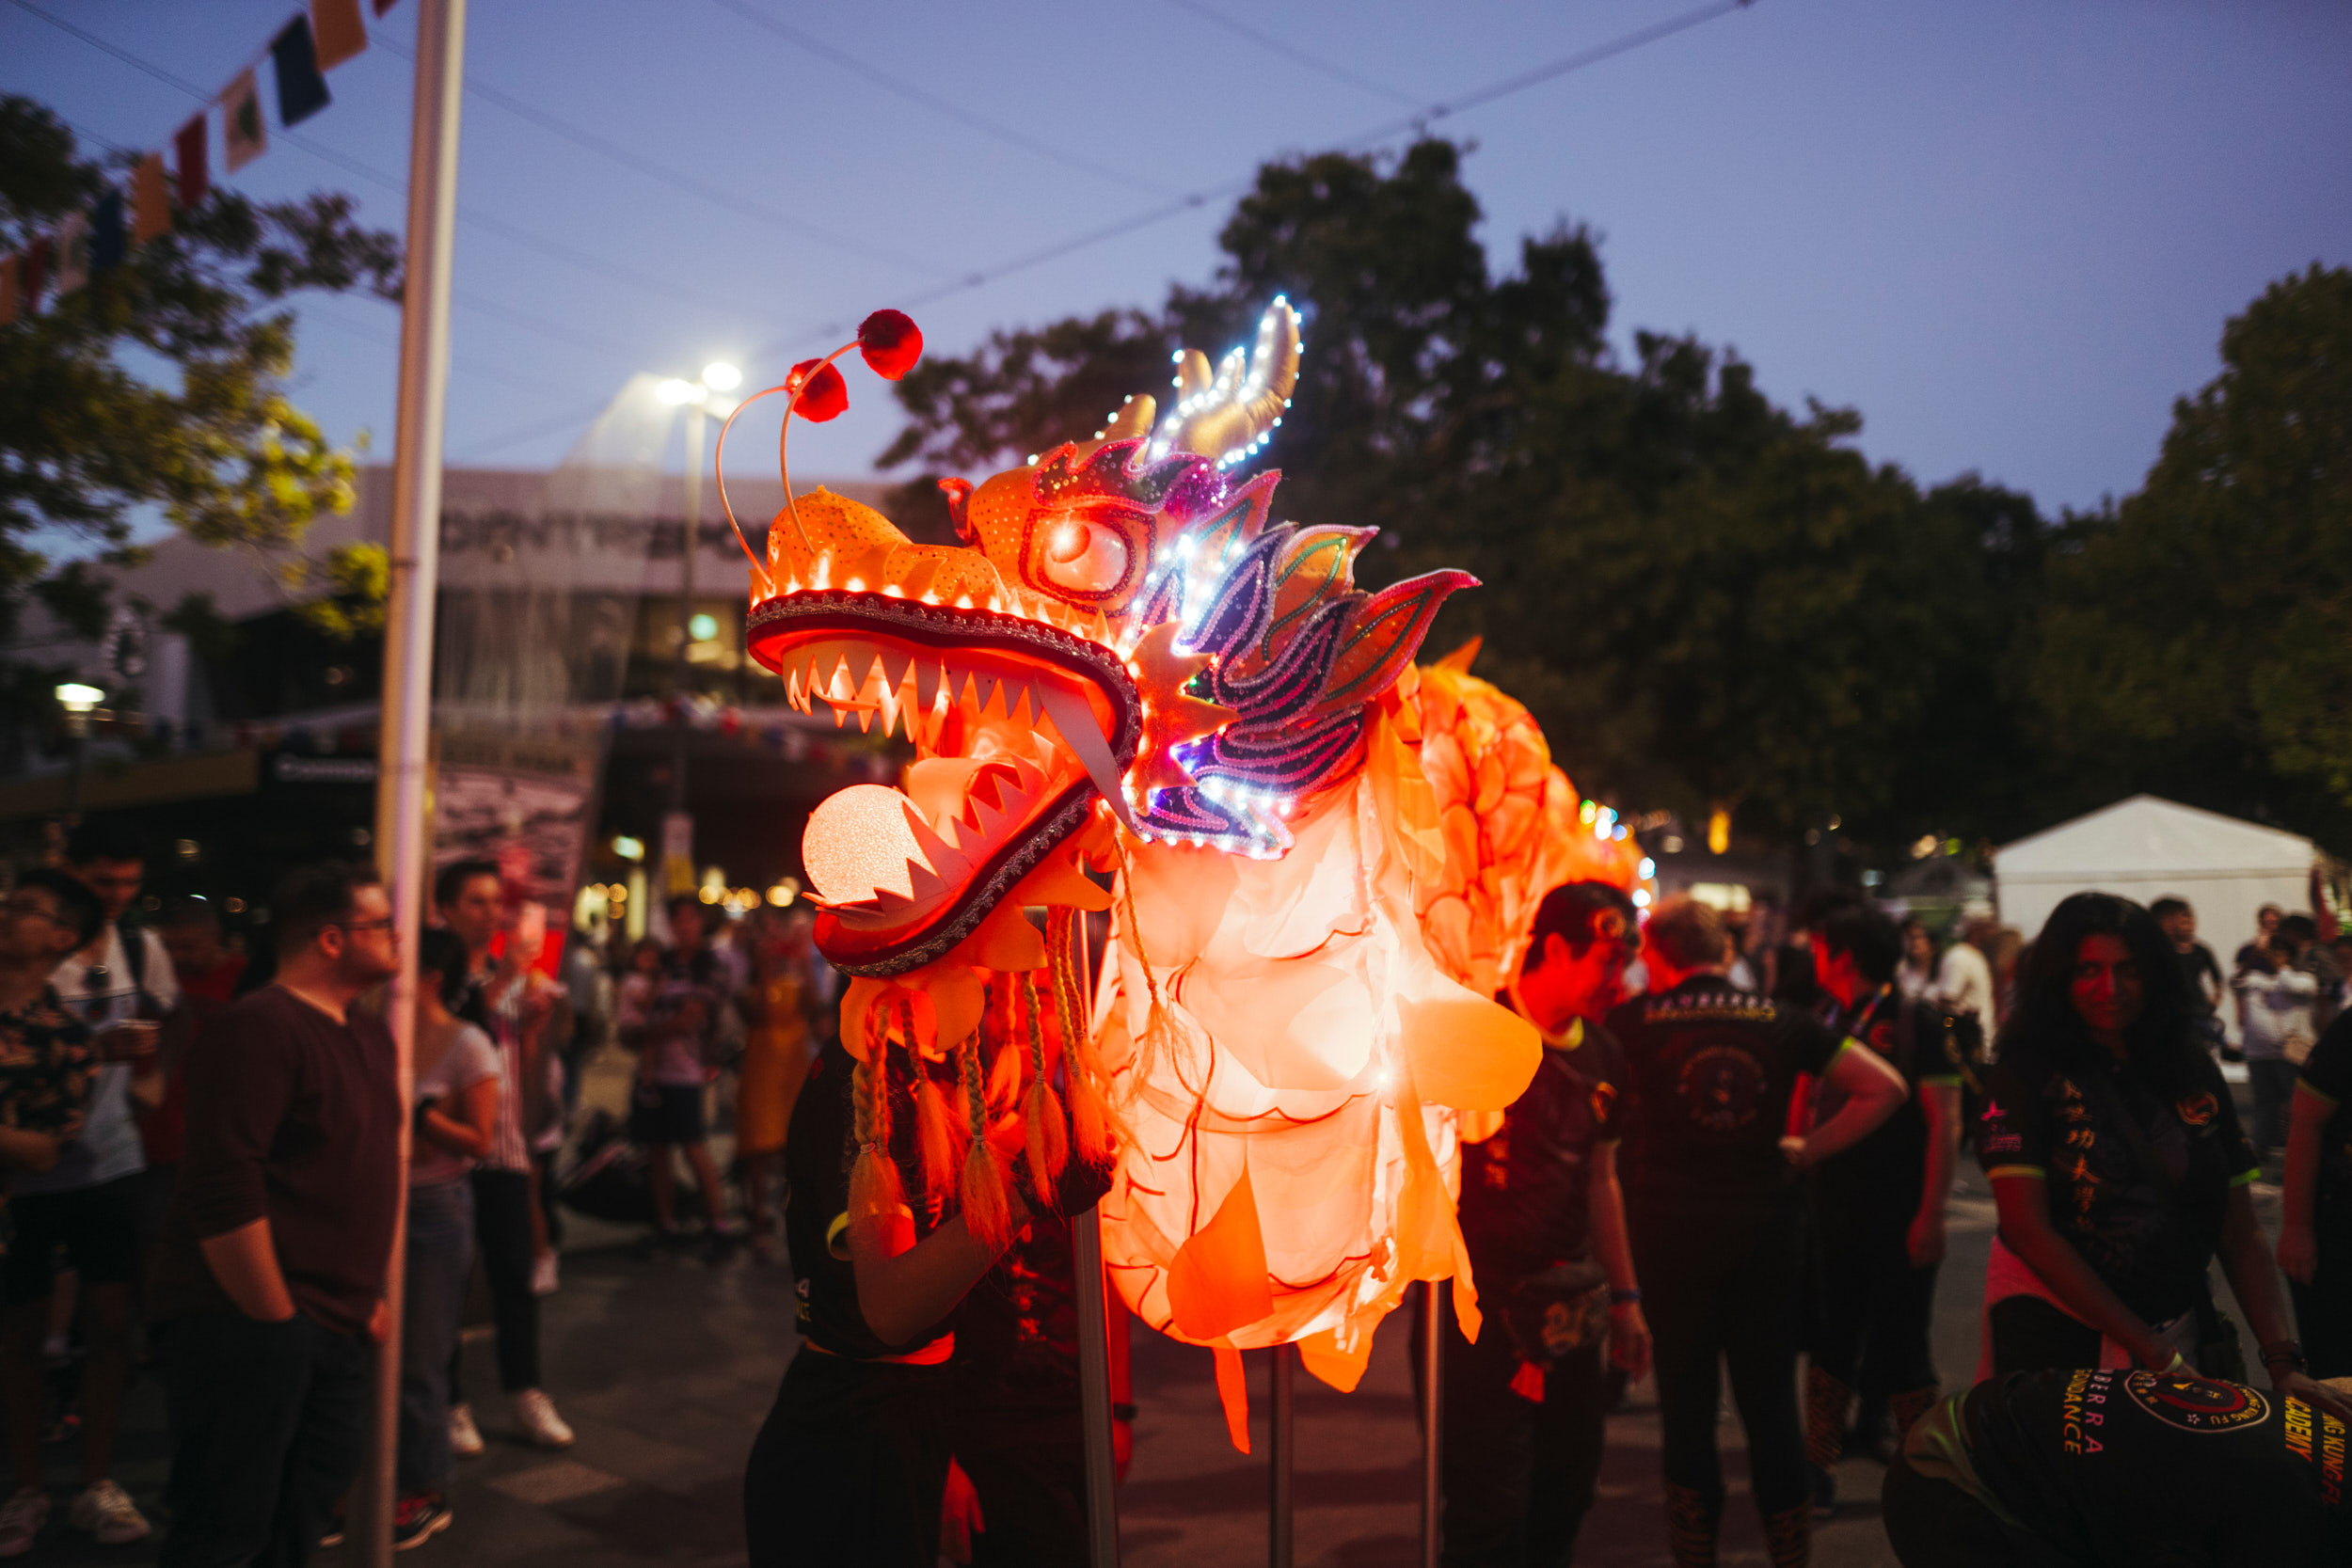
<point>1128,666</point>
<point>1125,634</point>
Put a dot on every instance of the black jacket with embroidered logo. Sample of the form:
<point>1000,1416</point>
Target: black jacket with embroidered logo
<point>2039,1121</point>
<point>1710,1071</point>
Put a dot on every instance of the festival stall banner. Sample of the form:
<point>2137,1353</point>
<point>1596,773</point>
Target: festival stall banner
<point>524,804</point>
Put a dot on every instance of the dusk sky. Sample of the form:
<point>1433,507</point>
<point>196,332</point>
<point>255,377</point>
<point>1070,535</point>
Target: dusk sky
<point>2008,234</point>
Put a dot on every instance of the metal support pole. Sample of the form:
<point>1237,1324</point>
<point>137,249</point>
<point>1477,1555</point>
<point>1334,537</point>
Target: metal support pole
<point>683,678</point>
<point>1280,1453</point>
<point>1094,1387</point>
<point>1432,1416</point>
<point>403,842</point>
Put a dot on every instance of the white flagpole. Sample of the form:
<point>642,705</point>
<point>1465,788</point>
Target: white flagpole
<point>401,836</point>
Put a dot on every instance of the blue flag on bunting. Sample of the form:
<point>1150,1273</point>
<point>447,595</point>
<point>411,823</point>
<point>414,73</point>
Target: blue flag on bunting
<point>301,86</point>
<point>109,237</point>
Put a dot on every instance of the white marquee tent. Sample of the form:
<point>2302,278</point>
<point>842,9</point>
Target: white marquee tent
<point>2145,847</point>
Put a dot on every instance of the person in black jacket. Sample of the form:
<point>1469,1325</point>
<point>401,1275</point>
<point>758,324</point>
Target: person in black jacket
<point>2117,1167</point>
<point>2119,1469</point>
<point>1717,1213</point>
<point>1877,1208</point>
<point>1545,1227</point>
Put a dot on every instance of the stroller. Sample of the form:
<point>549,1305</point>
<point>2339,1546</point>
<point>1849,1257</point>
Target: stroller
<point>604,1176</point>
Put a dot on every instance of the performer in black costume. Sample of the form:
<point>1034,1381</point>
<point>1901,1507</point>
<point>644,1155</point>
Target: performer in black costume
<point>2120,1470</point>
<point>1877,1208</point>
<point>1717,1216</point>
<point>1525,1406</point>
<point>851,1465</point>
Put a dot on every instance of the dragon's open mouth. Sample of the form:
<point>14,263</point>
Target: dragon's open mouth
<point>1018,725</point>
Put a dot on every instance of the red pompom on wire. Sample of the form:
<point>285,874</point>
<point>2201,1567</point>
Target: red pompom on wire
<point>819,394</point>
<point>890,342</point>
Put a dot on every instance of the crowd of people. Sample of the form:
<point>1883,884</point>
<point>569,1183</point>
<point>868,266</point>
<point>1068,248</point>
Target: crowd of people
<point>200,1141</point>
<point>1733,1158</point>
<point>1710,1175</point>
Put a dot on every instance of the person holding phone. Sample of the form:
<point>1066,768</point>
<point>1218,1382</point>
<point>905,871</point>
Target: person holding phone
<point>88,1207</point>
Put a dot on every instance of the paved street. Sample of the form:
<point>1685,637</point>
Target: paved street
<point>667,1368</point>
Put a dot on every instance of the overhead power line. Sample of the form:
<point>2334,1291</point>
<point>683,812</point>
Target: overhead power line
<point>1295,55</point>
<point>716,195</point>
<point>933,102</point>
<point>1417,122</point>
<point>1520,82</point>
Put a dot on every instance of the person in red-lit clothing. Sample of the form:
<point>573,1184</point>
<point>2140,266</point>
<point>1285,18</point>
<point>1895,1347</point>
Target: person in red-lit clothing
<point>269,1291</point>
<point>208,972</point>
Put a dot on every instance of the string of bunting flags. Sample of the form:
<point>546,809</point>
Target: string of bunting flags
<point>86,243</point>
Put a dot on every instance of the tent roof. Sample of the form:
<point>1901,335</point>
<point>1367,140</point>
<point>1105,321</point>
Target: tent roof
<point>2155,837</point>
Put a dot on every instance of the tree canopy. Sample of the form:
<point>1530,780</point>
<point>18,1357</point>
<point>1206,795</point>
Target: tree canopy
<point>1707,600</point>
<point>162,381</point>
<point>2197,633</point>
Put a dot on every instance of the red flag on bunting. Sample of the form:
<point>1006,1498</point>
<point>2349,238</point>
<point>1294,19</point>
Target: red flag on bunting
<point>36,276</point>
<point>247,135</point>
<point>150,200</point>
<point>192,147</point>
<point>8,265</point>
<point>335,26</point>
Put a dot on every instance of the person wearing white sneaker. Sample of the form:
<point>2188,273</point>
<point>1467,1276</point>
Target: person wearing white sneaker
<point>105,1512</point>
<point>21,1520</point>
<point>82,1205</point>
<point>534,1413</point>
<point>506,998</point>
<point>465,1438</point>
<point>268,1290</point>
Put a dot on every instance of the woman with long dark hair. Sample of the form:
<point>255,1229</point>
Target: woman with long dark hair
<point>2118,1167</point>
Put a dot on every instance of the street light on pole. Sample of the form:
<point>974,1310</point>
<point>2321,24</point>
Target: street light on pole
<point>77,700</point>
<point>700,398</point>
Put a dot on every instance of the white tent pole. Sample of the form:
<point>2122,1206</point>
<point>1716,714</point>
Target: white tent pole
<point>402,833</point>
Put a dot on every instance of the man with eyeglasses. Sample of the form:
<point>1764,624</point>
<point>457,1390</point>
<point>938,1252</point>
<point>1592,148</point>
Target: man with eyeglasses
<point>269,1286</point>
<point>87,1206</point>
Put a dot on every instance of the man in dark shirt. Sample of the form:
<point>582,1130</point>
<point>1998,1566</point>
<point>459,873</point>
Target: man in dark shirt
<point>2119,1469</point>
<point>2202,970</point>
<point>2316,1237</point>
<point>270,1285</point>
<point>1543,1223</point>
<point>1877,1208</point>
<point>1717,1213</point>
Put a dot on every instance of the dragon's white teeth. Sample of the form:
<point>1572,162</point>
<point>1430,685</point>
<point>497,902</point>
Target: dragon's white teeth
<point>1073,718</point>
<point>945,858</point>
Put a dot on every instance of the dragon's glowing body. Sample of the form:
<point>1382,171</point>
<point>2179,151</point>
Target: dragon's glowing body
<point>1130,668</point>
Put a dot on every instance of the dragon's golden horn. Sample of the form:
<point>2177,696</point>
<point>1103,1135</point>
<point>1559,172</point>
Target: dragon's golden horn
<point>1194,375</point>
<point>1131,418</point>
<point>1224,416</point>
